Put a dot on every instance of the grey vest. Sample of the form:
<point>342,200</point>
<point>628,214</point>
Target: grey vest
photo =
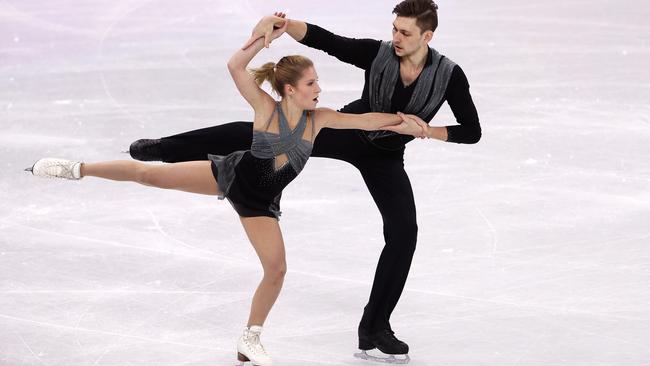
<point>429,90</point>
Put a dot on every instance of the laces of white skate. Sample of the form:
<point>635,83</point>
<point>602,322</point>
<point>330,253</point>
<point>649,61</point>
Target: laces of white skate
<point>64,170</point>
<point>255,344</point>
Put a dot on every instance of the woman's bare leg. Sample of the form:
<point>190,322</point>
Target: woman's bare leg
<point>196,176</point>
<point>192,176</point>
<point>266,237</point>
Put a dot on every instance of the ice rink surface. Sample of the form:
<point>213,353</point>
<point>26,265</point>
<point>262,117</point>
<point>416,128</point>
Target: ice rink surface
<point>534,245</point>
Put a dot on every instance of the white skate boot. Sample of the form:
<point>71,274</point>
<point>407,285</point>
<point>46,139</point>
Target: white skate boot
<point>56,168</point>
<point>249,348</point>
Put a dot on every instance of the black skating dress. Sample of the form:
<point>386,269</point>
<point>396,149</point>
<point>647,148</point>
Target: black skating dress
<point>253,180</point>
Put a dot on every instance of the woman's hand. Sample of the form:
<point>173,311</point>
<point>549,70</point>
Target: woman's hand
<point>277,32</point>
<point>410,125</point>
<point>268,28</point>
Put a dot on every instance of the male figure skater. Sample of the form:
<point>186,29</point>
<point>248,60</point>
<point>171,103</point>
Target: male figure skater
<point>404,75</point>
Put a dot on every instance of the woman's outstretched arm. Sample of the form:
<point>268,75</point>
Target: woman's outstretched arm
<point>244,80</point>
<point>326,117</point>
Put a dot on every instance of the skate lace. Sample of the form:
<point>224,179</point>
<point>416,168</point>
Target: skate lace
<point>65,170</point>
<point>255,345</point>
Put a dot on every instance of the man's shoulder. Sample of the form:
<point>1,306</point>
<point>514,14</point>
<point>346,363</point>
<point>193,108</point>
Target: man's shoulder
<point>452,66</point>
<point>446,60</point>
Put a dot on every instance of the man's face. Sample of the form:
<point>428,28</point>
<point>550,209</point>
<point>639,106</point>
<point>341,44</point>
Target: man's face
<point>407,36</point>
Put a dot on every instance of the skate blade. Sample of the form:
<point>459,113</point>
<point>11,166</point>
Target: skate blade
<point>245,363</point>
<point>390,359</point>
<point>242,360</point>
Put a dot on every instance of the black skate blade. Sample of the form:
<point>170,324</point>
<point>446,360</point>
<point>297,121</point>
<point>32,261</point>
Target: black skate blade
<point>388,359</point>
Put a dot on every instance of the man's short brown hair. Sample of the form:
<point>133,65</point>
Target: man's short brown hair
<point>425,13</point>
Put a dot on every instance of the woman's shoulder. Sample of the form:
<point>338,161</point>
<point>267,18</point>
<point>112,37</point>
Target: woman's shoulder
<point>265,113</point>
<point>322,111</point>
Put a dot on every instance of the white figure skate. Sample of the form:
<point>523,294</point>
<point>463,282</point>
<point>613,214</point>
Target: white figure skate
<point>56,168</point>
<point>249,348</point>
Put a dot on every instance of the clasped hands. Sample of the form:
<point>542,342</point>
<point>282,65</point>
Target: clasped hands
<point>270,27</point>
<point>410,125</point>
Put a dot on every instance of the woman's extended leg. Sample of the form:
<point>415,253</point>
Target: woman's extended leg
<point>192,176</point>
<point>266,237</point>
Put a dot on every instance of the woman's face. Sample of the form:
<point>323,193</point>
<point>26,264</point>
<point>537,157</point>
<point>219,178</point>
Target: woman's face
<point>306,91</point>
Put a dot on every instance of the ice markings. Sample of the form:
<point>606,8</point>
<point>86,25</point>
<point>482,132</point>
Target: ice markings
<point>493,231</point>
<point>32,351</point>
<point>8,139</point>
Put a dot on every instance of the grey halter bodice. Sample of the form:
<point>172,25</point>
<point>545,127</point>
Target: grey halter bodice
<point>267,145</point>
<point>263,177</point>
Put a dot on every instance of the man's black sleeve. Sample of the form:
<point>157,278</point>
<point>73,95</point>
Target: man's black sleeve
<point>358,106</point>
<point>358,52</point>
<point>468,130</point>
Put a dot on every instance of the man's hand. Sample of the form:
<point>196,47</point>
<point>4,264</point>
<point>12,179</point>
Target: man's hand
<point>266,28</point>
<point>410,125</point>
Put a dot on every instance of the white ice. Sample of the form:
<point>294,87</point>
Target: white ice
<point>534,245</point>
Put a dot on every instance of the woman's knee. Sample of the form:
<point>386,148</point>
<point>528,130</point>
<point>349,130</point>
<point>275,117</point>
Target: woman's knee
<point>275,272</point>
<point>151,176</point>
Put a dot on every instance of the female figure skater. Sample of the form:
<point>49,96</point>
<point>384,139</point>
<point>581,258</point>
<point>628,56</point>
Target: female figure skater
<point>252,180</point>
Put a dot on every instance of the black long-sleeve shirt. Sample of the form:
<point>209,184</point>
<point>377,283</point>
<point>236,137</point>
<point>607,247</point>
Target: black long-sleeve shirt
<point>362,52</point>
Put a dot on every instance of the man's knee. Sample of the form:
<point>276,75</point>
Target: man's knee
<point>402,233</point>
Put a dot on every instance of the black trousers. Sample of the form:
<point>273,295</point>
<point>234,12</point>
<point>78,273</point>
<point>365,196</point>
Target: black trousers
<point>384,175</point>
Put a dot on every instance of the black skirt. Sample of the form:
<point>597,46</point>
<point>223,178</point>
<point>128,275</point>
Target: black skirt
<point>252,185</point>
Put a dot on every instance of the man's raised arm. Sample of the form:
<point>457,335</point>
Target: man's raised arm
<point>358,52</point>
